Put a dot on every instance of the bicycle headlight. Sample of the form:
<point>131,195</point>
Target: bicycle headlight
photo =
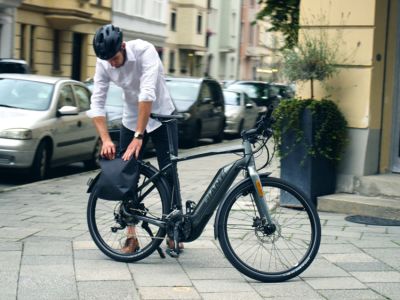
<point>16,133</point>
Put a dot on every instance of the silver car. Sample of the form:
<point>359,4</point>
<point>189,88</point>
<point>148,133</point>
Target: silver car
<point>43,123</point>
<point>240,112</point>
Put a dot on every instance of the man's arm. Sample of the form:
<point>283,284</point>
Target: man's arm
<point>108,148</point>
<point>143,117</point>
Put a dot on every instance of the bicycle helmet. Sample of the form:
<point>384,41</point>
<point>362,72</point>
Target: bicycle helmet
<point>107,41</point>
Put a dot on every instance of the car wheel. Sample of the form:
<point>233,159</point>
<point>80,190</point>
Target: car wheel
<point>40,166</point>
<point>93,163</point>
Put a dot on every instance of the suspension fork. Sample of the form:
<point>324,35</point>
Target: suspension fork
<point>259,196</point>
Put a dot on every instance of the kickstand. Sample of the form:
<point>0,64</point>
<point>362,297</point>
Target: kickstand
<point>146,227</point>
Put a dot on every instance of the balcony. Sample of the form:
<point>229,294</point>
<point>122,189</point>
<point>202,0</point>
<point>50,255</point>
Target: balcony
<point>10,3</point>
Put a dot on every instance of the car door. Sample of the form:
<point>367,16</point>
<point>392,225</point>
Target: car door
<point>88,134</point>
<point>250,112</point>
<point>205,109</point>
<point>67,132</point>
<point>218,107</point>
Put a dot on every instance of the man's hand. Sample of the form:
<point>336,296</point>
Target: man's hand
<point>108,150</point>
<point>133,149</point>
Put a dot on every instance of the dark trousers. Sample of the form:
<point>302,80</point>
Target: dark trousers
<point>159,138</point>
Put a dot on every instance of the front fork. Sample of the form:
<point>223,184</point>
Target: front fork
<point>259,196</point>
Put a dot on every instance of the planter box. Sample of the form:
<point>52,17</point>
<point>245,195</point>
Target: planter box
<point>316,176</point>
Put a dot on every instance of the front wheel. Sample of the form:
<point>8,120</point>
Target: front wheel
<point>263,252</point>
<point>112,222</point>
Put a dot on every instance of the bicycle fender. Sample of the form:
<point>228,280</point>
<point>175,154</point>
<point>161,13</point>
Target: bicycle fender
<point>92,182</point>
<point>217,215</point>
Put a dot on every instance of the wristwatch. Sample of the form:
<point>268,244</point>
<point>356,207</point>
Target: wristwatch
<point>138,135</point>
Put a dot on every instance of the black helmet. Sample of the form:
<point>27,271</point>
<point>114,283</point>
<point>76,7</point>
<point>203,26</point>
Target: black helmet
<point>107,41</point>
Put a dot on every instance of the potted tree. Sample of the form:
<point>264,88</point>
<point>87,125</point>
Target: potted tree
<point>310,134</point>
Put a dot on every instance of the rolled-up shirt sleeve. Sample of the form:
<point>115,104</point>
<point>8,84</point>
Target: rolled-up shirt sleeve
<point>99,96</point>
<point>150,69</point>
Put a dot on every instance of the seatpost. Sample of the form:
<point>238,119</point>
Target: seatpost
<point>174,169</point>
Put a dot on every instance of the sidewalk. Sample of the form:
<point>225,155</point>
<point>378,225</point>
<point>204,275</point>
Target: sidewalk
<point>46,253</point>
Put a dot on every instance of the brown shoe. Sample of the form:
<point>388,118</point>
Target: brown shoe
<point>171,244</point>
<point>131,245</point>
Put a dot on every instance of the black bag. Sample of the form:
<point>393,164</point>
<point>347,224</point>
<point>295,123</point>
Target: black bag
<point>118,179</point>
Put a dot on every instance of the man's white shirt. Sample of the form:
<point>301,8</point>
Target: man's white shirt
<point>141,78</point>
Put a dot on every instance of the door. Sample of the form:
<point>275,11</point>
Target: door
<point>205,110</point>
<point>67,129</point>
<point>77,56</point>
<point>395,151</point>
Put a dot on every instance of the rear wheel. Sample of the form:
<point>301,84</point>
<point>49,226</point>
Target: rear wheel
<point>109,221</point>
<point>269,253</point>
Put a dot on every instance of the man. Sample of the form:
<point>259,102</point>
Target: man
<point>135,67</point>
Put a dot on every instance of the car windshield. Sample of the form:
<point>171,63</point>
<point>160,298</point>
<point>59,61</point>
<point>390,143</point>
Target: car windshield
<point>25,94</point>
<point>183,90</point>
<point>253,90</point>
<point>232,98</point>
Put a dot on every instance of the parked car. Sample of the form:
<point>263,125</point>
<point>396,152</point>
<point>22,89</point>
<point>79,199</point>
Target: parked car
<point>10,65</point>
<point>240,111</point>
<point>43,124</point>
<point>114,106</point>
<point>201,102</point>
<point>262,93</point>
<point>285,91</point>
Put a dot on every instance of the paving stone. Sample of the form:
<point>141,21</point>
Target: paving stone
<point>107,290</point>
<point>293,289</point>
<point>17,233</point>
<point>84,245</point>
<point>46,260</point>
<point>364,266</point>
<point>389,256</point>
<point>10,260</point>
<point>8,284</point>
<point>175,293</point>
<point>204,258</point>
<point>213,273</point>
<point>321,267</point>
<point>48,248</point>
<point>338,248</point>
<point>337,283</point>
<point>365,243</point>
<point>219,286</point>
<point>342,258</point>
<point>231,296</point>
<point>159,275</point>
<point>388,290</point>
<point>89,270</point>
<point>350,294</point>
<point>389,276</point>
<point>89,254</point>
<point>47,282</point>
<point>10,246</point>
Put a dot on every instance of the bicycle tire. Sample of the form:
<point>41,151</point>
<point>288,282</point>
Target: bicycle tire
<point>269,258</point>
<point>100,221</point>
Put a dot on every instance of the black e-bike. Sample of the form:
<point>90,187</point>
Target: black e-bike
<point>261,236</point>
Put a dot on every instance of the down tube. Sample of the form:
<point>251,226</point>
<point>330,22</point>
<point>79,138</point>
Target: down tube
<point>213,196</point>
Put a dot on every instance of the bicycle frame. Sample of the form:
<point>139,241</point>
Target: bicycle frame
<point>215,192</point>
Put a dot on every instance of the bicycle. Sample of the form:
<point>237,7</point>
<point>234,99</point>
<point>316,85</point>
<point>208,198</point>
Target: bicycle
<point>262,239</point>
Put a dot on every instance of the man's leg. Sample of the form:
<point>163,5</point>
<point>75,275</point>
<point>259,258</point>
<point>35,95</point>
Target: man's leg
<point>131,243</point>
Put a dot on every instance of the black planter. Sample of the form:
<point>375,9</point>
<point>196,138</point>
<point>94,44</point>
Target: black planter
<point>315,176</point>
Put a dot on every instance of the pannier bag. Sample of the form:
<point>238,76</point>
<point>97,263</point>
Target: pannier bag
<point>118,179</point>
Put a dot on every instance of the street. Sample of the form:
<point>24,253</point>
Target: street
<point>46,252</point>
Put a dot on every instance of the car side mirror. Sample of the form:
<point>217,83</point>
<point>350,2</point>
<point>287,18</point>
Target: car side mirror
<point>68,111</point>
<point>249,105</point>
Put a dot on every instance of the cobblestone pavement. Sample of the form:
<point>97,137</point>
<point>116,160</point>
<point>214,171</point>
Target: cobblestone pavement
<point>46,253</point>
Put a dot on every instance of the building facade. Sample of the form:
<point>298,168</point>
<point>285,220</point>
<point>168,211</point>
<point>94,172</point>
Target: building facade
<point>223,35</point>
<point>7,21</point>
<point>55,37</point>
<point>185,49</point>
<point>367,88</point>
<point>142,19</point>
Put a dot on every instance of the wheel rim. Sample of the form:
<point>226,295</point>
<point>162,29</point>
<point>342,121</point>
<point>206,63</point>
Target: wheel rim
<point>284,251</point>
<point>107,215</point>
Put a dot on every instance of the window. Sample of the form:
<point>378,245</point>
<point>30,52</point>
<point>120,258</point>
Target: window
<point>22,42</point>
<point>56,52</point>
<point>83,97</point>
<point>205,92</point>
<point>173,20</point>
<point>171,64</point>
<point>31,48</point>
<point>66,97</point>
<point>199,23</point>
